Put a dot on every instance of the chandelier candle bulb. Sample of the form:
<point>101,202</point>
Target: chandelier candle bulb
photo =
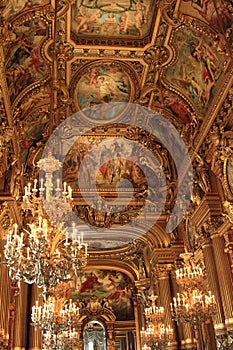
<point>41,185</point>
<point>64,186</point>
<point>70,192</point>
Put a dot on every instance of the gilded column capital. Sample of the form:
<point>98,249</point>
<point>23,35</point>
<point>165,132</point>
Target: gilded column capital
<point>228,236</point>
<point>228,211</point>
<point>211,226</point>
<point>162,271</point>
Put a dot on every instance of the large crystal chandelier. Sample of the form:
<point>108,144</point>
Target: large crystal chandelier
<point>58,323</point>
<point>154,313</point>
<point>156,336</point>
<point>45,254</point>
<point>194,305</point>
<point>190,275</point>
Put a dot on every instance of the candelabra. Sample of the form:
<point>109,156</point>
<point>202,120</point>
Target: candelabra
<point>45,254</point>
<point>57,323</point>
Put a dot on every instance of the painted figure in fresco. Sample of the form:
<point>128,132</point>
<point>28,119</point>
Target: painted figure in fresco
<point>92,77</point>
<point>121,5</point>
<point>112,286</point>
<point>84,20</point>
<point>100,85</point>
<point>120,17</point>
<point>15,6</point>
<point>90,282</point>
<point>177,108</point>
<point>105,90</point>
<point>24,65</point>
<point>202,52</point>
<point>135,18</point>
<point>111,18</point>
<point>214,13</point>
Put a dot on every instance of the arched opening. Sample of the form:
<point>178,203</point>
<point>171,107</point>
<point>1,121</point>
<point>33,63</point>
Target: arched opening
<point>94,336</point>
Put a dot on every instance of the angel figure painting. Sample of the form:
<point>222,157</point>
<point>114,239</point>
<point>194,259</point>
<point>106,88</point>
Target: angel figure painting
<point>198,69</point>
<point>102,84</point>
<point>113,287</point>
<point>121,18</point>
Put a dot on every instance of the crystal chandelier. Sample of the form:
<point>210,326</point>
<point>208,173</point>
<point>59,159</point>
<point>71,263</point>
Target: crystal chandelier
<point>154,313</point>
<point>190,275</point>
<point>57,322</point>
<point>145,347</point>
<point>194,305</point>
<point>45,254</point>
<point>156,336</point>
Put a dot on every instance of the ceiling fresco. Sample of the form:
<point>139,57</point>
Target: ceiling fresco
<point>198,68</point>
<point>124,18</point>
<point>102,84</point>
<point>66,56</point>
<point>24,65</point>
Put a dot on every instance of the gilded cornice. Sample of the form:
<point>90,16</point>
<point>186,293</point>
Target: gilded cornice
<point>210,206</point>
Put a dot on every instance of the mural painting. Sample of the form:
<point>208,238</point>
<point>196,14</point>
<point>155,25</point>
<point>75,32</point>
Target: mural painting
<point>215,13</point>
<point>178,109</point>
<point>102,84</point>
<point>13,7</point>
<point>110,170</point>
<point>119,164</point>
<point>198,68</point>
<point>230,173</point>
<point>33,127</point>
<point>24,65</point>
<point>121,18</point>
<point>112,286</point>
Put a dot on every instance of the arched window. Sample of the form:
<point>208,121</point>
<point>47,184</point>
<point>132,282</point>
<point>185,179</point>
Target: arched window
<point>94,336</point>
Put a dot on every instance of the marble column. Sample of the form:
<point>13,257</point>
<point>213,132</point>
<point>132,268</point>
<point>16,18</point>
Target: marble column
<point>21,320</point>
<point>5,307</point>
<point>213,284</point>
<point>165,299</point>
<point>225,278</point>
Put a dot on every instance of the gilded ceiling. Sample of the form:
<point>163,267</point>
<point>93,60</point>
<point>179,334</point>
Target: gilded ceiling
<point>66,56</point>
